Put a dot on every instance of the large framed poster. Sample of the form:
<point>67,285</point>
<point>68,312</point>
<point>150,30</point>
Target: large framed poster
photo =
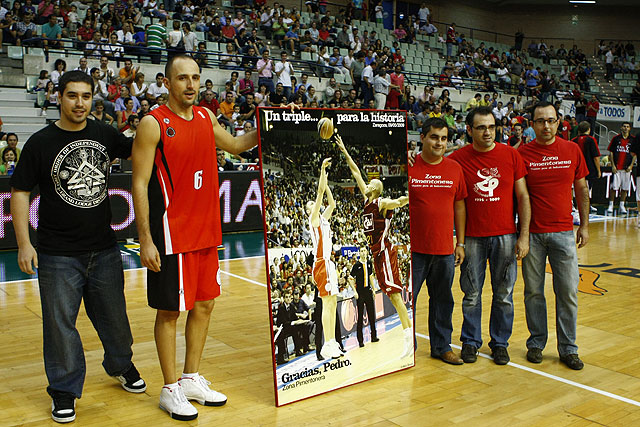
<point>338,254</point>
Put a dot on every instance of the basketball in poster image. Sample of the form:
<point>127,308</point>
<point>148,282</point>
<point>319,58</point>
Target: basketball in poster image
<point>338,250</point>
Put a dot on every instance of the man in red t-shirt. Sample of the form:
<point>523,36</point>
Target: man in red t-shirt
<point>493,173</point>
<point>621,165</point>
<point>554,165</point>
<point>437,192</point>
<point>593,106</point>
<point>209,101</point>
<point>564,128</point>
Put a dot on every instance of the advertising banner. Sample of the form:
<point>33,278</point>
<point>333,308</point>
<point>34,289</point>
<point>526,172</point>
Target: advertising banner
<point>338,261</point>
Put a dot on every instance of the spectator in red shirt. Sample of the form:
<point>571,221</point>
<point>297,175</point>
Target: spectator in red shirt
<point>209,101</point>
<point>228,32</point>
<point>85,33</point>
<point>593,106</point>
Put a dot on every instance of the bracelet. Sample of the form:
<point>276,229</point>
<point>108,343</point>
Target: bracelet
<point>462,245</point>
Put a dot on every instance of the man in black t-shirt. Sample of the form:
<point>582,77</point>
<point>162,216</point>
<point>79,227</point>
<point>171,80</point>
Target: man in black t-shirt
<point>77,257</point>
<point>248,109</point>
<point>278,98</point>
<point>361,274</point>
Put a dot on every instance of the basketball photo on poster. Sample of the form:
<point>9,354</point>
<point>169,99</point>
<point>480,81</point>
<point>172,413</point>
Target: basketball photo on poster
<point>338,254</point>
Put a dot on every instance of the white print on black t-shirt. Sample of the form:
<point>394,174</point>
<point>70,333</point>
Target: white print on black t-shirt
<point>550,162</point>
<point>79,173</point>
<point>623,148</point>
<point>431,181</point>
<point>490,182</point>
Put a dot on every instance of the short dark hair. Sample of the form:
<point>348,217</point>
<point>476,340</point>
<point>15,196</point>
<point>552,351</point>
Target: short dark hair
<point>72,77</point>
<point>542,104</point>
<point>169,66</point>
<point>15,153</point>
<point>11,134</point>
<point>584,127</point>
<point>159,75</point>
<point>482,111</point>
<point>433,122</point>
<point>131,118</point>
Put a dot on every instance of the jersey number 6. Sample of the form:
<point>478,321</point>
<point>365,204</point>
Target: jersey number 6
<point>197,180</point>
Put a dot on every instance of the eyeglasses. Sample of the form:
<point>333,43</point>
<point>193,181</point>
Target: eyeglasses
<point>542,122</point>
<point>483,128</point>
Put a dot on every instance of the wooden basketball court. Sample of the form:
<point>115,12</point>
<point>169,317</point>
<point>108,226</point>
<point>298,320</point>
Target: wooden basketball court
<point>237,359</point>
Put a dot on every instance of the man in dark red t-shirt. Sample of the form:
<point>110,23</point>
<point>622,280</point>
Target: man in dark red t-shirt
<point>593,106</point>
<point>437,191</point>
<point>621,165</point>
<point>554,165</point>
<point>209,101</point>
<point>635,152</point>
<point>493,173</point>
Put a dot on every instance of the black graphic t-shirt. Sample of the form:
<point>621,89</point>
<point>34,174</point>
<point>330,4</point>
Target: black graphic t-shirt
<point>72,171</point>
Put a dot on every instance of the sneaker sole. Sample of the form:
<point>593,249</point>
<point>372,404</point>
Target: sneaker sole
<point>205,403</point>
<point>134,390</point>
<point>64,419</point>
<point>178,416</point>
<point>469,359</point>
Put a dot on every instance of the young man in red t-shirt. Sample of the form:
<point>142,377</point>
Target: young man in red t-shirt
<point>621,165</point>
<point>437,192</point>
<point>593,106</point>
<point>554,165</point>
<point>493,173</point>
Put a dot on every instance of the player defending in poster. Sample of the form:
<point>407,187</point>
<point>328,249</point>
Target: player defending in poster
<point>376,218</point>
<point>324,270</point>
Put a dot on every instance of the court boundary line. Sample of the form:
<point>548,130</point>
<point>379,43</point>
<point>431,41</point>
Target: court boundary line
<point>553,377</point>
<point>486,356</point>
<point>515,365</point>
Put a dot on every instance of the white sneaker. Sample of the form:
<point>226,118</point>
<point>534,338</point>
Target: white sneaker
<point>63,408</point>
<point>173,400</point>
<point>593,209</point>
<point>197,388</point>
<point>610,208</point>
<point>43,113</point>
<point>330,350</point>
<point>408,343</point>
<point>623,210</point>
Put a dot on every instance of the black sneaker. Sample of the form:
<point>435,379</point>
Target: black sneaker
<point>500,355</point>
<point>63,407</point>
<point>469,353</point>
<point>572,361</point>
<point>534,355</point>
<point>131,381</point>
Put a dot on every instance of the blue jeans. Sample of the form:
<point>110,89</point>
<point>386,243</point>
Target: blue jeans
<point>438,271</point>
<point>500,252</point>
<point>65,281</point>
<point>561,249</point>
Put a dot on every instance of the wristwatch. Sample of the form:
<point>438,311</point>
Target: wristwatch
<point>462,245</point>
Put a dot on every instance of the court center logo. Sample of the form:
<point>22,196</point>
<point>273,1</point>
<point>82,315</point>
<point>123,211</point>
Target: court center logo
<point>79,173</point>
<point>490,181</point>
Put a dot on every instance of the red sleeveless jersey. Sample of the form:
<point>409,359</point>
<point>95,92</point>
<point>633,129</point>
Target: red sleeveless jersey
<point>376,226</point>
<point>184,204</point>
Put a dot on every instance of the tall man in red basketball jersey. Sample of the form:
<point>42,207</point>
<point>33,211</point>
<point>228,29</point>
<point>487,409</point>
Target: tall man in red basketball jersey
<point>553,166</point>
<point>437,191</point>
<point>621,165</point>
<point>376,219</point>
<point>493,173</point>
<point>324,270</point>
<point>175,192</point>
<point>635,152</point>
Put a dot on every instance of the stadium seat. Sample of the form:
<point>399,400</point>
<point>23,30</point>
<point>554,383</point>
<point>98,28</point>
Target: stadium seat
<point>212,46</point>
<point>305,56</point>
<point>36,51</point>
<point>15,52</point>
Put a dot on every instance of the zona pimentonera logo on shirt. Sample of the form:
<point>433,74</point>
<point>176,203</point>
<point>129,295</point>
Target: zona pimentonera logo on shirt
<point>79,173</point>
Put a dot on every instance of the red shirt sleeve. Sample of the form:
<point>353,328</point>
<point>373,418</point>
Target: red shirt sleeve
<point>461,190</point>
<point>520,169</point>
